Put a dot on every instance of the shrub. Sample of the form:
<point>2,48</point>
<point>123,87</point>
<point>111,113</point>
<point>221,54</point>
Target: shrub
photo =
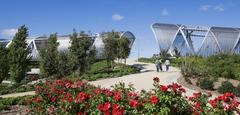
<point>65,97</point>
<point>226,87</point>
<point>236,90</point>
<point>6,102</point>
<point>206,83</point>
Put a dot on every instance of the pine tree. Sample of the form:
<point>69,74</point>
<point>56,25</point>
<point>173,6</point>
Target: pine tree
<point>49,57</point>
<point>19,55</point>
<point>3,63</point>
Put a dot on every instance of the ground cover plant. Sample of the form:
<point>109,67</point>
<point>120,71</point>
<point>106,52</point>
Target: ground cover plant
<point>79,97</point>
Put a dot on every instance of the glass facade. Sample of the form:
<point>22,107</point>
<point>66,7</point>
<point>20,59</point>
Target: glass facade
<point>196,40</point>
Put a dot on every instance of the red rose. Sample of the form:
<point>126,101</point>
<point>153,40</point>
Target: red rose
<point>197,105</point>
<point>35,99</point>
<point>97,91</point>
<point>117,96</point>
<point>81,96</point>
<point>154,100</point>
<point>131,94</point>
<point>163,88</point>
<point>53,99</point>
<point>117,112</point>
<point>133,103</point>
<point>213,103</point>
<point>106,106</point>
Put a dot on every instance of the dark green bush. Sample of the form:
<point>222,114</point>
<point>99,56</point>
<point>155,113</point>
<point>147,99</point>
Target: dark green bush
<point>236,90</point>
<point>16,88</point>
<point>226,87</point>
<point>5,102</point>
<point>206,83</point>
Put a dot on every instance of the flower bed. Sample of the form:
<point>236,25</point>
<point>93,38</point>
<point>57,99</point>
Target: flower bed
<point>65,97</point>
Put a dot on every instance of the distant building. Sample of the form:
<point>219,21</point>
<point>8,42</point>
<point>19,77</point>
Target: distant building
<point>196,40</point>
<point>34,44</point>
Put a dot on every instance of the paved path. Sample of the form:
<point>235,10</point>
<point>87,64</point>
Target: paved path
<point>143,80</point>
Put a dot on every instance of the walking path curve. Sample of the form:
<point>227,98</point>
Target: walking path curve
<point>143,80</point>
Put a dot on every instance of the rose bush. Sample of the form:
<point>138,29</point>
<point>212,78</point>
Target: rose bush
<point>66,97</point>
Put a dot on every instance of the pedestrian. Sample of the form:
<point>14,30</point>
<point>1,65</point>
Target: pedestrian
<point>167,63</point>
<point>157,65</point>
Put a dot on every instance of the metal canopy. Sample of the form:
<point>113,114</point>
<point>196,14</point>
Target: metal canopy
<point>196,40</point>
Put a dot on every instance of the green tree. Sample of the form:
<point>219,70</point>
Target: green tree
<point>79,51</point>
<point>19,55</point>
<point>111,47</point>
<point>3,63</point>
<point>63,65</point>
<point>49,57</point>
<point>124,48</point>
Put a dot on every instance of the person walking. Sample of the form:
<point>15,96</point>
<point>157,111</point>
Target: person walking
<point>167,63</point>
<point>157,65</point>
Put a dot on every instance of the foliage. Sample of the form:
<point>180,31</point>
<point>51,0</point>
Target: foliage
<point>15,88</point>
<point>111,47</point>
<point>49,57</point>
<point>19,55</point>
<point>221,65</point>
<point>4,63</point>
<point>81,51</point>
<point>6,102</point>
<point>100,70</point>
<point>226,86</point>
<point>206,83</point>
<point>124,48</point>
<point>64,67</point>
<point>164,55</point>
<point>65,97</point>
<point>146,60</point>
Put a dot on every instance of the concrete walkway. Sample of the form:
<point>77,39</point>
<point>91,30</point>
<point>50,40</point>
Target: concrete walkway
<point>143,80</point>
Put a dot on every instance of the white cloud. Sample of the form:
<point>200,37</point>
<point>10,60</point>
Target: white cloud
<point>117,17</point>
<point>205,7</point>
<point>9,32</point>
<point>164,12</point>
<point>219,7</point>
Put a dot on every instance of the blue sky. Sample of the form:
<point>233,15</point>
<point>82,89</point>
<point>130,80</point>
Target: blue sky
<point>43,17</point>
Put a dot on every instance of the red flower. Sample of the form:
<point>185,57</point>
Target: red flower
<point>154,99</point>
<point>81,97</point>
<point>53,99</point>
<point>117,112</point>
<point>79,113</point>
<point>98,90</point>
<point>35,99</point>
<point>100,106</point>
<point>213,103</point>
<point>163,88</point>
<point>197,105</point>
<point>133,103</point>
<point>131,94</point>
<point>117,96</point>
<point>156,79</point>
<point>104,107</point>
<point>108,92</point>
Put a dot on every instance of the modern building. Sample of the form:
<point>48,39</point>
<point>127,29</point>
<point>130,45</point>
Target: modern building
<point>196,40</point>
<point>34,44</point>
